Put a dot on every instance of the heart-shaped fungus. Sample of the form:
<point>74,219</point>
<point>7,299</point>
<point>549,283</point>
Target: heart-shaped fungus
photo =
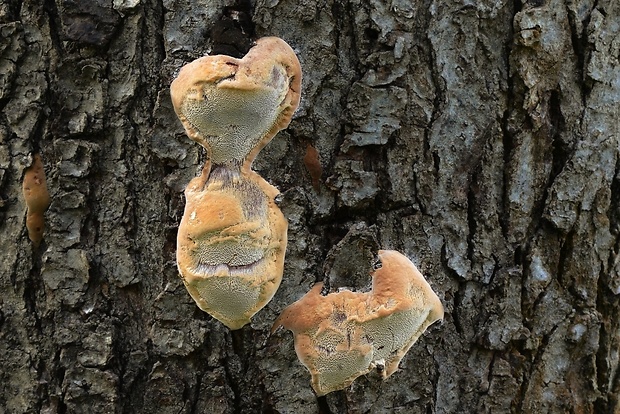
<point>343,335</point>
<point>232,237</point>
<point>234,107</point>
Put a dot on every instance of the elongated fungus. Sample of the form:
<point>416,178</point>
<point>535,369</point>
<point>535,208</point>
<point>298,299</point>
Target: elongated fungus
<point>232,237</point>
<point>34,188</point>
<point>343,335</point>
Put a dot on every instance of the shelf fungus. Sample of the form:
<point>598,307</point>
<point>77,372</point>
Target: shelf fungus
<point>344,335</point>
<point>36,196</point>
<point>232,237</point>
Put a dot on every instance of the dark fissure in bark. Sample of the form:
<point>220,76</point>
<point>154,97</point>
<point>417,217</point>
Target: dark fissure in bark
<point>233,34</point>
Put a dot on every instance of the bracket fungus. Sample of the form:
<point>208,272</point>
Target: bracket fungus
<point>34,188</point>
<point>232,237</point>
<point>344,335</point>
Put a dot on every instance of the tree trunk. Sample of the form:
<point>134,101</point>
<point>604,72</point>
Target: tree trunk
<point>481,139</point>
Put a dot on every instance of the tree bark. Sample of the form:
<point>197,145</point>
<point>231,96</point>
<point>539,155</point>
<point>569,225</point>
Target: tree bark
<point>481,139</point>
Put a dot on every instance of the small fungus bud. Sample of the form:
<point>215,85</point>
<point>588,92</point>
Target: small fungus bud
<point>343,335</point>
<point>232,237</point>
<point>313,165</point>
<point>37,199</point>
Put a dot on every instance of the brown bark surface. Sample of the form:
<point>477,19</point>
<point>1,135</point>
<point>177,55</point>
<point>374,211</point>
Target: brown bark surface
<point>479,138</point>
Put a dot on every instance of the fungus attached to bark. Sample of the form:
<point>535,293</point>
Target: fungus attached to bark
<point>344,335</point>
<point>37,199</point>
<point>234,107</point>
<point>232,237</point>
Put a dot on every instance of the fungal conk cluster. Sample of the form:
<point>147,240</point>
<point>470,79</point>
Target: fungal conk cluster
<point>232,237</point>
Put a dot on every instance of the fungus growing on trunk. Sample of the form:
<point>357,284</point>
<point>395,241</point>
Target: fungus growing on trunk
<point>232,237</point>
<point>343,335</point>
<point>34,188</point>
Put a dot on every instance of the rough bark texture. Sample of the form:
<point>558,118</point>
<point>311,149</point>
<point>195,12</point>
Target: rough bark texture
<point>479,138</point>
